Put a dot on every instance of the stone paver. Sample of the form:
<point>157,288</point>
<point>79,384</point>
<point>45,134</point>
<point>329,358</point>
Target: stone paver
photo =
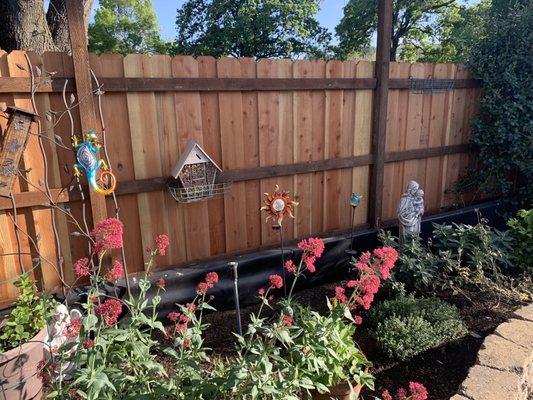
<point>485,383</point>
<point>517,331</point>
<point>500,353</point>
<point>525,312</point>
<point>459,397</point>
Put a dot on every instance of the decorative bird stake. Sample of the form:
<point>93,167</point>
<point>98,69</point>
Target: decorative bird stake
<point>355,200</point>
<point>100,179</point>
<point>277,205</point>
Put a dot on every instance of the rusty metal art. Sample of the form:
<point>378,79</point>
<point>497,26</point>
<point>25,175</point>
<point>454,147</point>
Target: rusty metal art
<point>12,146</point>
<point>277,205</point>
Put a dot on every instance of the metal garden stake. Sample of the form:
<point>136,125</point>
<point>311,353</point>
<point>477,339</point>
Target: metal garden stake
<point>234,265</point>
<point>355,200</point>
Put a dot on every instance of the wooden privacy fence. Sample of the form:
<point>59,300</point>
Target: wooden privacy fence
<point>305,125</point>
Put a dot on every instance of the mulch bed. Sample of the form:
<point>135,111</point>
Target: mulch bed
<point>441,370</point>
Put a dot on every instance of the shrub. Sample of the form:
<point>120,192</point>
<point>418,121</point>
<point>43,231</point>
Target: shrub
<point>521,229</point>
<point>406,327</point>
<point>28,316</point>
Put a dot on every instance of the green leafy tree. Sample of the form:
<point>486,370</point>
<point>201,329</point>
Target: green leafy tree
<point>502,133</point>
<point>410,19</point>
<point>251,28</point>
<point>452,37</point>
<point>125,26</point>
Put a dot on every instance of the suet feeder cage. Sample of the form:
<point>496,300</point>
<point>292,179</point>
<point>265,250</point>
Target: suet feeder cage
<point>196,177</point>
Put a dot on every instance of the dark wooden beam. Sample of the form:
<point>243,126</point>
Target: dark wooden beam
<point>418,154</point>
<point>379,112</point>
<point>22,85</point>
<point>82,77</point>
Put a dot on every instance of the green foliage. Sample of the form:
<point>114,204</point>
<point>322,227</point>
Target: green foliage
<point>406,327</point>
<point>452,35</point>
<point>412,21</point>
<point>250,28</point>
<point>28,316</point>
<point>521,229</point>
<point>502,131</point>
<point>125,26</point>
<point>457,255</point>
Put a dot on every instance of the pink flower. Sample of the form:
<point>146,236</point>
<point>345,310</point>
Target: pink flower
<point>160,283</point>
<point>358,320</point>
<point>160,245</point>
<point>418,391</point>
<point>290,267</point>
<point>310,263</point>
<point>352,284</point>
<point>287,320</point>
<point>116,272</point>
<point>211,279</point>
<point>108,235</point>
<point>386,395</point>
<point>109,311</point>
<point>186,343</point>
<point>340,295</point>
<point>73,329</point>
<point>314,247</point>
<point>202,288</point>
<point>81,267</point>
<point>261,292</point>
<point>88,344</point>
<point>191,307</point>
<point>370,284</point>
<point>174,316</point>
<point>276,281</point>
<point>401,394</point>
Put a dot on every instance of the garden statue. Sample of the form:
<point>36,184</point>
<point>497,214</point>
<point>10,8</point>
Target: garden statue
<point>101,180</point>
<point>63,327</point>
<point>410,211</point>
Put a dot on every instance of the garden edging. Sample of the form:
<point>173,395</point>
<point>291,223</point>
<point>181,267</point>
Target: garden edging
<point>504,367</point>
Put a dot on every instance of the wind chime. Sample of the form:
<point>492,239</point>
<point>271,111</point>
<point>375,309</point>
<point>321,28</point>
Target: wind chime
<point>277,205</point>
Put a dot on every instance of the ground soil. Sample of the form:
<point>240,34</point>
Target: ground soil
<point>441,370</point>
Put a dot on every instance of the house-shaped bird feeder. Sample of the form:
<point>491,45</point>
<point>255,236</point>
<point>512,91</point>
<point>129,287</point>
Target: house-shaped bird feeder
<point>196,176</point>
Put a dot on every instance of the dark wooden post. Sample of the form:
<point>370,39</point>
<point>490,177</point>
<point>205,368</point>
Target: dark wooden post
<point>379,112</point>
<point>82,77</point>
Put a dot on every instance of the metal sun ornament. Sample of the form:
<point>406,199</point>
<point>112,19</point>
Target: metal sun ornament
<point>277,205</point>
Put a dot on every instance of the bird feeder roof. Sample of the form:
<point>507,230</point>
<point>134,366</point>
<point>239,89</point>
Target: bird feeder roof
<point>192,154</point>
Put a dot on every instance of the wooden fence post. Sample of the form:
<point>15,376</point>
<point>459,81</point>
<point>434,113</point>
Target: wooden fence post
<point>379,113</point>
<point>82,77</point>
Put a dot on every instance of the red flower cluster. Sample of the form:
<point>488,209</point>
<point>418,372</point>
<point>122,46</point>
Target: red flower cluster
<point>108,235</point>
<point>372,268</point>
<point>73,329</point>
<point>417,392</point>
<point>81,267</point>
<point>88,344</point>
<point>109,311</point>
<point>312,249</point>
<point>116,272</point>
<point>290,267</point>
<point>160,283</point>
<point>275,281</point>
<point>287,320</point>
<point>160,245</point>
<point>211,279</point>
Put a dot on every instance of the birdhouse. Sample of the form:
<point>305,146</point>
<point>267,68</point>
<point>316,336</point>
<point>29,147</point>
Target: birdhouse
<point>12,146</point>
<point>194,176</point>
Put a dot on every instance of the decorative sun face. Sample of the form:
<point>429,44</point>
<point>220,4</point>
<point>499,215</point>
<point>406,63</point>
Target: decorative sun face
<point>277,205</point>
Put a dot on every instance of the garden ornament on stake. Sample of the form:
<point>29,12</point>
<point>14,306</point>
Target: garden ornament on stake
<point>100,178</point>
<point>234,265</point>
<point>355,200</point>
<point>410,211</point>
<point>277,205</point>
<point>61,329</point>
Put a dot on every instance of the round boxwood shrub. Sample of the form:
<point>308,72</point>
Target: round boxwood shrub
<point>407,326</point>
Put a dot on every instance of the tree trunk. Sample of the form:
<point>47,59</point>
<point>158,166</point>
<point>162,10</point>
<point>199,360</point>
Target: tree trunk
<point>24,25</point>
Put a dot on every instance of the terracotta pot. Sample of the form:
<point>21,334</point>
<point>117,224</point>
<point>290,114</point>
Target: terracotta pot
<point>18,370</point>
<point>340,392</point>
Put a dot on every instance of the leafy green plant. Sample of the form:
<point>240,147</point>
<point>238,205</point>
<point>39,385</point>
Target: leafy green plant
<point>406,327</point>
<point>28,316</point>
<point>521,229</point>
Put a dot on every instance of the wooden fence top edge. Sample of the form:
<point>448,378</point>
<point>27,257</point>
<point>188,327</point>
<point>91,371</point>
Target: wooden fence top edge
<point>22,85</point>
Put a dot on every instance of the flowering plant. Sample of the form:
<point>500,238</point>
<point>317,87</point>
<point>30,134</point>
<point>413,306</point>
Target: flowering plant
<point>417,391</point>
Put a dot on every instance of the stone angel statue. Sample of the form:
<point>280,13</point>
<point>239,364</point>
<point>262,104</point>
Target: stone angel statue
<point>57,336</point>
<point>410,211</point>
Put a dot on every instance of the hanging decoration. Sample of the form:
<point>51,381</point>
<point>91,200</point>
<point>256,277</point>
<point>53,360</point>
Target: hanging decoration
<point>12,146</point>
<point>277,205</point>
<point>100,179</point>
